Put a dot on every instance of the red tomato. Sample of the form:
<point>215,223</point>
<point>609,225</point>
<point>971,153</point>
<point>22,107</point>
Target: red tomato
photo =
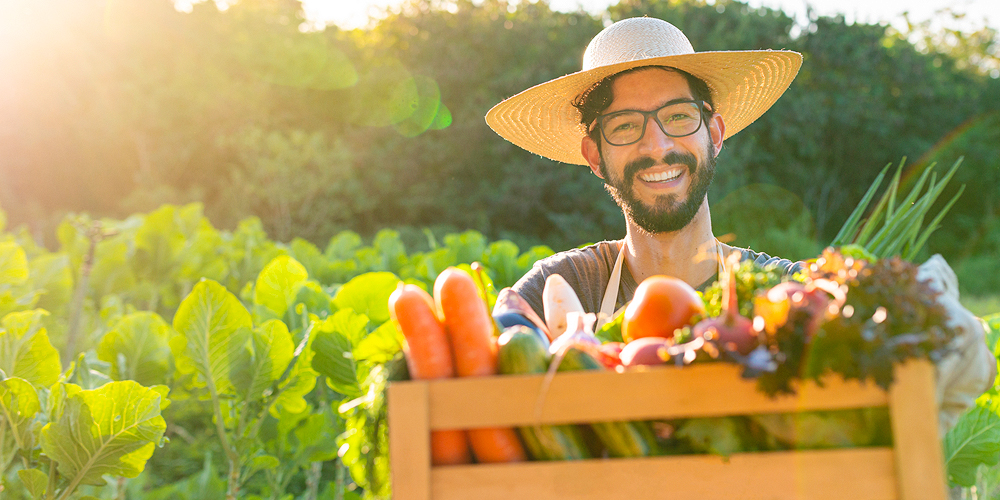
<point>661,305</point>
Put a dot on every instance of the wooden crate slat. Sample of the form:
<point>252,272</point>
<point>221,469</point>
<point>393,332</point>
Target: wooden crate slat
<point>913,410</point>
<point>856,474</point>
<point>692,391</point>
<point>409,441</point>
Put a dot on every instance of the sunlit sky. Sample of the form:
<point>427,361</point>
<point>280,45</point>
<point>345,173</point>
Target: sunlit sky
<point>349,14</point>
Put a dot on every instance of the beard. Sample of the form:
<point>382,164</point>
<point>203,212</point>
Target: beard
<point>666,214</point>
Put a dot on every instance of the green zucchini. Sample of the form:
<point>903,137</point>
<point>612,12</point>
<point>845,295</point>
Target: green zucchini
<point>522,351</point>
<point>619,439</point>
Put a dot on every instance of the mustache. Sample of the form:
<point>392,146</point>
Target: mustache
<point>674,157</point>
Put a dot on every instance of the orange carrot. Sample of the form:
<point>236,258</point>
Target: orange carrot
<point>467,322</point>
<point>450,447</point>
<point>470,330</point>
<point>428,356</point>
<point>496,445</point>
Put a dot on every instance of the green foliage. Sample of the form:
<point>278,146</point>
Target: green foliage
<point>110,430</point>
<point>25,350</point>
<point>20,405</point>
<point>137,347</point>
<point>213,328</point>
<point>974,440</point>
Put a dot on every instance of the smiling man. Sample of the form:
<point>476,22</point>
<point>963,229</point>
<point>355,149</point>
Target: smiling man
<point>648,115</point>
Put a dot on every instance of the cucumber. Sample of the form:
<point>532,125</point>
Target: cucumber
<point>619,439</point>
<point>522,351</point>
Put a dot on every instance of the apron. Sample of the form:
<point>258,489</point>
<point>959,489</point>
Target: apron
<point>611,292</point>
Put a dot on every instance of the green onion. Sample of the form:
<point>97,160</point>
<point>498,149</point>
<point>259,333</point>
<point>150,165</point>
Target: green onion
<point>897,229</point>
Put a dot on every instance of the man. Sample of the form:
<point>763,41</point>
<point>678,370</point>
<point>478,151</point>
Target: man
<point>648,115</point>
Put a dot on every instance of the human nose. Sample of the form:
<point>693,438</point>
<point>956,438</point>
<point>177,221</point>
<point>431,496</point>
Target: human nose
<point>654,142</point>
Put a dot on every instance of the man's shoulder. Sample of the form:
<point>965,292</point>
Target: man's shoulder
<point>586,269</point>
<point>594,252</point>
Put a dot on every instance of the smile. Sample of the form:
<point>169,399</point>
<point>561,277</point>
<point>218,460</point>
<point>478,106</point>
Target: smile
<point>666,176</point>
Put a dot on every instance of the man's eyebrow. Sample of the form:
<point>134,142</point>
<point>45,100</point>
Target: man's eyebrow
<point>667,103</point>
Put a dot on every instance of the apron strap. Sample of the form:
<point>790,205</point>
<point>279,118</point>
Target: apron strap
<point>611,292</point>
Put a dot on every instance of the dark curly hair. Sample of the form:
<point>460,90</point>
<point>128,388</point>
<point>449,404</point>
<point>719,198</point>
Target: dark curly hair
<point>593,101</point>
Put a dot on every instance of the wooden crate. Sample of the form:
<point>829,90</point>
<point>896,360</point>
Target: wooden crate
<point>910,470</point>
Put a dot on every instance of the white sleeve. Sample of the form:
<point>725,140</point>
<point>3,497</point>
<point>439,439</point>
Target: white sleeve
<point>969,369</point>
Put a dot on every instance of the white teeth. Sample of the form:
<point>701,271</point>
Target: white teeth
<point>662,176</point>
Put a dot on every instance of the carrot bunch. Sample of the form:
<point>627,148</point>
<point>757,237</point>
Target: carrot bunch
<point>452,335</point>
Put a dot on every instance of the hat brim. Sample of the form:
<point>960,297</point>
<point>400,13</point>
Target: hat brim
<point>744,84</point>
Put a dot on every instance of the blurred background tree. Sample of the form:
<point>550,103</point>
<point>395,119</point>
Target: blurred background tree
<point>111,107</point>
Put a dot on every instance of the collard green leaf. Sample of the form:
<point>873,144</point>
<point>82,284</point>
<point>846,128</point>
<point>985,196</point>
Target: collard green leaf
<point>501,260</point>
<point>974,440</point>
<point>380,345</point>
<point>467,247</point>
<point>25,350</point>
<point>317,436</point>
<point>333,348</point>
<point>368,294</point>
<point>35,481</point>
<point>212,327</point>
<point>137,347</point>
<point>158,243</point>
<point>13,264</point>
<point>342,246</point>
<point>50,273</point>
<point>109,430</point>
<point>271,351</point>
<point>300,382</point>
<point>315,300</point>
<point>278,284</point>
<point>19,404</point>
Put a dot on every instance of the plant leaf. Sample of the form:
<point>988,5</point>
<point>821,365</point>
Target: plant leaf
<point>974,440</point>
<point>51,275</point>
<point>212,327</point>
<point>25,350</point>
<point>278,284</point>
<point>138,348</point>
<point>35,481</point>
<point>272,350</point>
<point>13,264</point>
<point>19,405</point>
<point>333,348</point>
<point>380,345</point>
<point>368,294</point>
<point>109,430</point>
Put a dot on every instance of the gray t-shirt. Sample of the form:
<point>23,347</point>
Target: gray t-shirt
<point>588,270</point>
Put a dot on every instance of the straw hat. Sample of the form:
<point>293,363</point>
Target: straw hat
<point>744,84</point>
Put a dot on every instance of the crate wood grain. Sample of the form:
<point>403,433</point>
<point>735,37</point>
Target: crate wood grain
<point>911,470</point>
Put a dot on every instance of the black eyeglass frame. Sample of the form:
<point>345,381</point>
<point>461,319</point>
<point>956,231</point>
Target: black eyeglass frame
<point>705,110</point>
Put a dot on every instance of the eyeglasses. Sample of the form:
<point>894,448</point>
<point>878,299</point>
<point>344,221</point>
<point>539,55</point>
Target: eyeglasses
<point>677,119</point>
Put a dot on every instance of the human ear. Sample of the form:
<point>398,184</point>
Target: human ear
<point>591,152</point>
<point>716,131</point>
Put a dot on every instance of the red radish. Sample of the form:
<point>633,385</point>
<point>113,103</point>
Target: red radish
<point>646,351</point>
<point>610,354</point>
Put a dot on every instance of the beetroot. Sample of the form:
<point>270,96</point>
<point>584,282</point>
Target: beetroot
<point>729,331</point>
